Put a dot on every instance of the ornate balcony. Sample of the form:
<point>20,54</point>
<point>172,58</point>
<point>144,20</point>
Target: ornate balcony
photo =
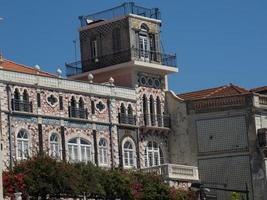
<point>155,120</point>
<point>21,105</point>
<point>78,112</point>
<point>174,172</point>
<point>127,119</point>
<point>119,57</point>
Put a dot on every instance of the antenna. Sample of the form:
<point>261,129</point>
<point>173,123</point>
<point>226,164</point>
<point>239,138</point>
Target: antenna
<point>75,49</point>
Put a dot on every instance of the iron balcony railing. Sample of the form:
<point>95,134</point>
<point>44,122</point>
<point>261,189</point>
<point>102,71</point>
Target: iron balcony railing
<point>155,120</point>
<point>119,11</point>
<point>154,57</point>
<point>122,56</point>
<point>126,119</point>
<point>21,105</point>
<point>78,112</point>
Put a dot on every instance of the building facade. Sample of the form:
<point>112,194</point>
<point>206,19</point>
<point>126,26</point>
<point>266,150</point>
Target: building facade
<point>111,110</point>
<point>229,124</point>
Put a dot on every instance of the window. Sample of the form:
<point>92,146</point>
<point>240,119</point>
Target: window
<point>54,146</point>
<point>80,150</point>
<point>152,110</point>
<point>22,145</point>
<point>128,152</point>
<point>94,48</point>
<point>116,36</point>
<point>103,152</point>
<point>145,110</point>
<point>153,155</point>
<point>93,107</point>
<point>60,102</point>
<point>38,100</point>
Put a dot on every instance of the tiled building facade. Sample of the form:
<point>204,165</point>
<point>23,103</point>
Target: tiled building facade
<point>114,109</point>
<point>111,111</point>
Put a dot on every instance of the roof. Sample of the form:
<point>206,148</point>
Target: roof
<point>225,90</point>
<point>12,66</point>
<point>262,89</point>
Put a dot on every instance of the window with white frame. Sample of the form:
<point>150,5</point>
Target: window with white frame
<point>153,154</point>
<point>54,145</point>
<point>103,152</point>
<point>22,145</point>
<point>129,153</point>
<point>80,150</point>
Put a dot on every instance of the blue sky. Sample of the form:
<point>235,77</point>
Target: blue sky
<point>216,42</point>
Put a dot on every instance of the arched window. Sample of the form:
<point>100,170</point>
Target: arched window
<point>123,110</point>
<point>122,116</point>
<point>144,43</point>
<point>22,145</point>
<point>16,105</point>
<point>103,152</point>
<point>152,110</point>
<point>80,150</point>
<point>25,104</point>
<point>81,103</point>
<point>131,118</point>
<point>54,150</point>
<point>144,27</point>
<point>129,153</point>
<point>82,112</point>
<point>130,109</point>
<point>153,155</point>
<point>159,115</point>
<point>145,111</point>
<point>25,96</point>
<point>16,94</point>
<point>72,108</point>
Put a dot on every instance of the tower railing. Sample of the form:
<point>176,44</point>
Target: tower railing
<point>118,57</point>
<point>119,11</point>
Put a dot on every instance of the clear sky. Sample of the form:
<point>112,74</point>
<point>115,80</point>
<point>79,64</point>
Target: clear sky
<point>216,41</point>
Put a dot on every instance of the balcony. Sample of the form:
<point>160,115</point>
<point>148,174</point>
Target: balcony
<point>127,119</point>
<point>260,101</point>
<point>78,112</point>
<point>119,57</point>
<point>21,105</point>
<point>119,11</point>
<point>155,120</point>
<point>174,172</point>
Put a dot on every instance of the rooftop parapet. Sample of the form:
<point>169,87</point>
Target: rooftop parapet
<point>119,11</point>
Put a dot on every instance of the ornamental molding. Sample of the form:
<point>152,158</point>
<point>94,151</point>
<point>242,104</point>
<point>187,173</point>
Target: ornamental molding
<point>52,99</point>
<point>25,118</point>
<point>61,84</point>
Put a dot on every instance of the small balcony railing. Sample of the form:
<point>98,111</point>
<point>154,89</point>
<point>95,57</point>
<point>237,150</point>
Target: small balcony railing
<point>118,57</point>
<point>127,119</point>
<point>174,172</point>
<point>78,112</point>
<point>155,120</point>
<point>21,105</point>
<point>154,57</point>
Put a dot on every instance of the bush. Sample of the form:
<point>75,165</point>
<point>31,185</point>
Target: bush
<point>43,176</point>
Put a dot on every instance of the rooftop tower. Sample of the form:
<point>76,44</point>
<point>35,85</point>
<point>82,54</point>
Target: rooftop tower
<point>123,42</point>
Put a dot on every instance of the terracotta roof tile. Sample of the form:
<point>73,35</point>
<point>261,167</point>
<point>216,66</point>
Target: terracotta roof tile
<point>12,66</point>
<point>225,90</point>
<point>262,89</point>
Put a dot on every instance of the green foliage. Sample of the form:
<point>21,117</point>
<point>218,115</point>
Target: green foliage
<point>235,196</point>
<point>43,176</point>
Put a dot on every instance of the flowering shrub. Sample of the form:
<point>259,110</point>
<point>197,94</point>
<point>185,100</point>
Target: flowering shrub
<point>43,176</point>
